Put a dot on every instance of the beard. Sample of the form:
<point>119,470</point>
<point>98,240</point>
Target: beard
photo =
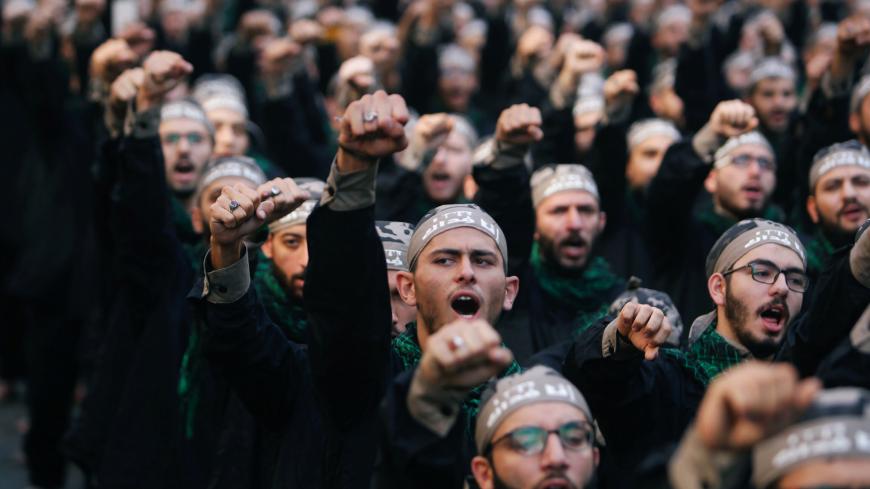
<point>287,282</point>
<point>739,316</point>
<point>549,251</point>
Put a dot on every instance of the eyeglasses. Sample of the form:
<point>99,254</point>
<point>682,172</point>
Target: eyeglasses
<point>175,138</point>
<point>531,440</point>
<point>768,273</point>
<point>764,162</point>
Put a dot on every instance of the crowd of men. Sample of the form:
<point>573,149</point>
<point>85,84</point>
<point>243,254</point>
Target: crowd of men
<point>438,243</point>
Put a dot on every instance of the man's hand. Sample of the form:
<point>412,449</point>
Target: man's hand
<point>772,33</point>
<point>124,90</point>
<point>110,59</point>
<point>305,31</point>
<point>163,71</point>
<point>241,210</point>
<point>580,57</point>
<point>431,131</point>
<point>139,37</point>
<point>371,128</point>
<point>751,402</point>
<point>646,327</point>
<point>535,43</point>
<point>733,118</point>
<point>620,89</point>
<point>853,36</point>
<point>358,73</point>
<point>277,57</point>
<point>519,124</point>
<point>462,355</point>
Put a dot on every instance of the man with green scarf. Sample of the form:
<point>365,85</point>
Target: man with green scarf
<point>737,168</point>
<point>839,199</point>
<point>553,221</point>
<point>457,280</point>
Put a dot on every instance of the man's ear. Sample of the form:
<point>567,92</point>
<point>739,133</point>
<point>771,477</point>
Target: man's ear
<point>602,221</point>
<point>812,209</point>
<point>710,184</point>
<point>405,286</point>
<point>482,472</point>
<point>855,122</point>
<point>596,456</point>
<point>196,220</point>
<point>511,288</point>
<point>266,247</point>
<point>716,287</point>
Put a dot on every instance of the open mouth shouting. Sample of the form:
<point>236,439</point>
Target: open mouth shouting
<point>184,171</point>
<point>774,317</point>
<point>753,192</point>
<point>466,304</point>
<point>573,246</point>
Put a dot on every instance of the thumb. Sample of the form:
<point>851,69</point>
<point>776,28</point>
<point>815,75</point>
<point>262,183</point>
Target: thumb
<point>650,353</point>
<point>536,133</point>
<point>265,209</point>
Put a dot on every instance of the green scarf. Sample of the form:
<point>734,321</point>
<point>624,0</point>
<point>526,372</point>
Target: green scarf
<point>718,224</point>
<point>708,356</point>
<point>282,310</point>
<point>190,379</point>
<point>818,250</point>
<point>590,293</point>
<point>407,347</point>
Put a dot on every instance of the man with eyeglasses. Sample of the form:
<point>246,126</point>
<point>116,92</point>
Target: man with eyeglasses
<point>534,430</point>
<point>737,168</point>
<point>756,277</point>
<point>186,138</point>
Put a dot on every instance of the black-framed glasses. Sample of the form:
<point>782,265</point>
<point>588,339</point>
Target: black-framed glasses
<point>764,162</point>
<point>531,440</point>
<point>768,273</point>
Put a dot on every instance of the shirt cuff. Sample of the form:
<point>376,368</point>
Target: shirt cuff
<point>695,466</point>
<point>500,156</point>
<point>614,345</point>
<point>350,191</point>
<point>434,407</point>
<point>226,285</point>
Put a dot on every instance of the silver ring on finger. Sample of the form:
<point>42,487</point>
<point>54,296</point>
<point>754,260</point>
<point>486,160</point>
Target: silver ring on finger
<point>275,192</point>
<point>456,343</point>
<point>234,204</point>
<point>370,116</point>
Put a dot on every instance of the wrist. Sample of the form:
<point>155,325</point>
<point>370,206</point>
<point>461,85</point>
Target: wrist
<point>223,255</point>
<point>349,161</point>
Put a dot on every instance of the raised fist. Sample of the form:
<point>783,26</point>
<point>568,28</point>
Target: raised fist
<point>646,327</point>
<point>139,37</point>
<point>306,31</point>
<point>583,57</point>
<point>372,127</point>
<point>536,42</point>
<point>751,402</point>
<point>519,124</point>
<point>733,118</point>
<point>620,88</point>
<point>241,210</point>
<point>277,56</point>
<point>358,73</point>
<point>110,59</point>
<point>853,35</point>
<point>163,71</point>
<point>463,354</point>
<point>431,131</point>
<point>124,89</point>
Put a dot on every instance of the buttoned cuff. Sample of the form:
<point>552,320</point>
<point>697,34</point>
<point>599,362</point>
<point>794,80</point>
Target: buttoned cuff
<point>694,466</point>
<point>146,124</point>
<point>614,345</point>
<point>349,191</point>
<point>226,285</point>
<point>434,407</point>
<point>499,155</point>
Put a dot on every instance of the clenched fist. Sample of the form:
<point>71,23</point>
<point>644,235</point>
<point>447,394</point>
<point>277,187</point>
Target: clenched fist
<point>733,118</point>
<point>124,90</point>
<point>620,89</point>
<point>163,71</point>
<point>110,59</point>
<point>371,128</point>
<point>751,402</point>
<point>462,355</point>
<point>519,124</point>
<point>646,327</point>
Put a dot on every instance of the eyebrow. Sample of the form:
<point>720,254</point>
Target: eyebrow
<point>456,252</point>
<point>762,261</point>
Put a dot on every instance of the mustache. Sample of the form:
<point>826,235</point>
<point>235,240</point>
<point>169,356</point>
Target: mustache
<point>573,240</point>
<point>559,475</point>
<point>778,301</point>
<point>851,202</point>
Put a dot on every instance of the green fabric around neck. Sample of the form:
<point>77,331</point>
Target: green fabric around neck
<point>819,248</point>
<point>282,309</point>
<point>189,381</point>
<point>586,292</point>
<point>708,356</point>
<point>407,348</point>
<point>719,224</point>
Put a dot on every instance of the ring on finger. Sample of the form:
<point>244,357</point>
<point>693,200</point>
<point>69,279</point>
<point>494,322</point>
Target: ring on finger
<point>275,192</point>
<point>370,116</point>
<point>234,204</point>
<point>456,343</point>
